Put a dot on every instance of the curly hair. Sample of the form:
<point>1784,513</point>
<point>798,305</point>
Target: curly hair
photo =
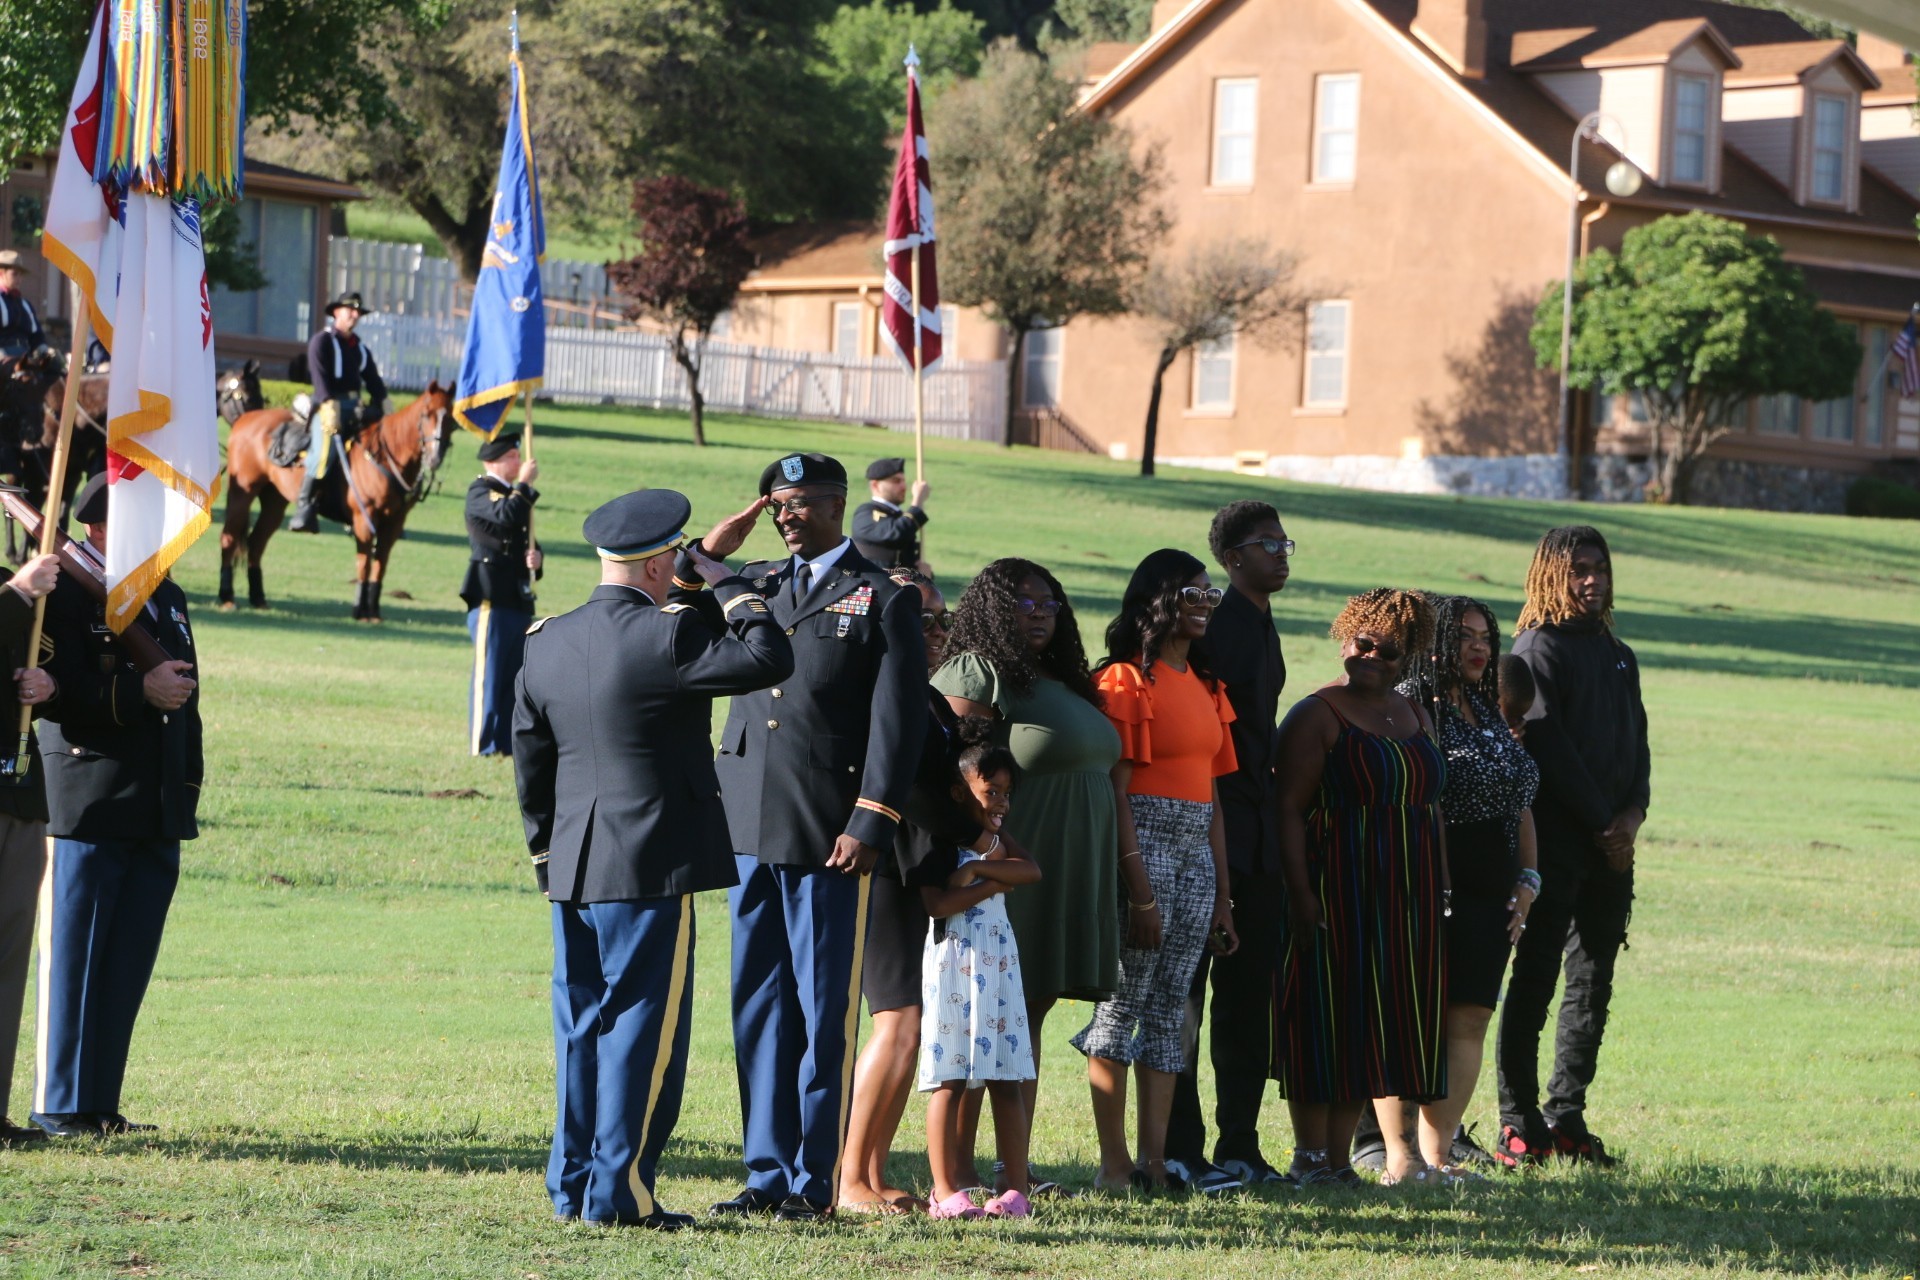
<point>1233,522</point>
<point>986,623</point>
<point>1150,610</point>
<point>1387,611</point>
<point>1433,671</point>
<point>1550,577</point>
<point>980,756</point>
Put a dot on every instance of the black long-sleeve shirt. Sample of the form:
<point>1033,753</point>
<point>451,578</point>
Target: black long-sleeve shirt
<point>1590,686</point>
<point>1244,649</point>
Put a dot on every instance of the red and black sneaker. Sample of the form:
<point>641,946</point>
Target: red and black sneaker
<point>1580,1147</point>
<point>1517,1147</point>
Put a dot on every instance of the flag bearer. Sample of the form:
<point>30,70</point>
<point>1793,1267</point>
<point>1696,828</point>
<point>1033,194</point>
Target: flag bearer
<point>498,589</point>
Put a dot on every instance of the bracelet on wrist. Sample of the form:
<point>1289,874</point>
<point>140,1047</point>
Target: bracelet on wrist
<point>1148,905</point>
<point>1529,879</point>
<point>1131,853</point>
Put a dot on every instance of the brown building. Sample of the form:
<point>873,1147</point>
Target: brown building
<point>286,216</point>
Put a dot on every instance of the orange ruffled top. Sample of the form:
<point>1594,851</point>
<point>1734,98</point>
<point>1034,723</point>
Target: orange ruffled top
<point>1173,728</point>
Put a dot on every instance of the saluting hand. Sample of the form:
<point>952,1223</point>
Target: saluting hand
<point>711,571</point>
<point>168,686</point>
<point>730,534</point>
<point>851,857</point>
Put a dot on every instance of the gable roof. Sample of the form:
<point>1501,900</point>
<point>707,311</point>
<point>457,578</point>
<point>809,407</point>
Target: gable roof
<point>1590,47</point>
<point>843,253</point>
<point>1794,61</point>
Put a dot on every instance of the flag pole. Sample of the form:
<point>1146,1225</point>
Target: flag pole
<point>526,454</point>
<point>1913,317</point>
<point>919,402</point>
<point>56,488</point>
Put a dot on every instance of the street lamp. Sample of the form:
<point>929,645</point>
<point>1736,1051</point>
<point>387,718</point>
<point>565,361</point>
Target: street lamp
<point>1623,180</point>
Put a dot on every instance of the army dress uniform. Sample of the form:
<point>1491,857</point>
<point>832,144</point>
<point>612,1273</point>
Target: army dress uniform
<point>498,591</point>
<point>611,744</point>
<point>886,534</point>
<point>830,751</point>
<point>123,791</point>
<point>23,853</point>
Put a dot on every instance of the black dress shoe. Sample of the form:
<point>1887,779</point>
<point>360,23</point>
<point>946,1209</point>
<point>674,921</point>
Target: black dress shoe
<point>12,1135</point>
<point>750,1201</point>
<point>800,1209</point>
<point>76,1124</point>
<point>659,1220</point>
<point>116,1123</point>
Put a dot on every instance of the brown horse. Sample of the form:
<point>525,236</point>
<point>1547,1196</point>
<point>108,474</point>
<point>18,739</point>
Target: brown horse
<point>390,467</point>
<point>30,397</point>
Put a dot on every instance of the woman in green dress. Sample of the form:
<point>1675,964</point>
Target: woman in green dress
<point>1015,656</point>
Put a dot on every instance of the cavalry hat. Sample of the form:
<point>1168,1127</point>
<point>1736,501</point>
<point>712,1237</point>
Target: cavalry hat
<point>881,468</point>
<point>499,447</point>
<point>347,300</point>
<point>636,526</point>
<point>10,260</point>
<point>798,469</point>
<point>91,506</point>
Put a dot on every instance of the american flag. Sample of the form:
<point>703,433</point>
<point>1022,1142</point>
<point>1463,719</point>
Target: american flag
<point>910,226</point>
<point>1906,355</point>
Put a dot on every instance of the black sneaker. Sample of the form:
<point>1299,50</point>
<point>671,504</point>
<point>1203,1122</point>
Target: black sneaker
<point>1517,1148</point>
<point>1207,1179</point>
<point>1577,1146</point>
<point>1465,1151</point>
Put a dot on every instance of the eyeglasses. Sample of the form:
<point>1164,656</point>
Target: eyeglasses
<point>1209,597</point>
<point>941,621</point>
<point>1386,649</point>
<point>797,506</point>
<point>1272,546</point>
<point>1045,608</point>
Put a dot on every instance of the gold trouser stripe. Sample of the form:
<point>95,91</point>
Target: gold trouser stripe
<point>43,988</point>
<point>663,1052</point>
<point>852,1041</point>
<point>480,638</point>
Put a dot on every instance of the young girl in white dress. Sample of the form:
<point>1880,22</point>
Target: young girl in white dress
<point>973,1021</point>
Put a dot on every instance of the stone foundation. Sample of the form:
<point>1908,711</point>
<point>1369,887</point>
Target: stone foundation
<point>1725,482</point>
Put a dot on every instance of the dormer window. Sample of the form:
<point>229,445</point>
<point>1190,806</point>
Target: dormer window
<point>1829,148</point>
<point>1691,98</point>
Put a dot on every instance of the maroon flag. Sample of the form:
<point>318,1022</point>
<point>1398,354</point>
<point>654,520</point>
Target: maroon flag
<point>910,227</point>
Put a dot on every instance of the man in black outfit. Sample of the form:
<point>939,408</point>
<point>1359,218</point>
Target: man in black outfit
<point>884,530</point>
<point>501,567</point>
<point>1249,542</point>
<point>1588,814</point>
<point>343,370</point>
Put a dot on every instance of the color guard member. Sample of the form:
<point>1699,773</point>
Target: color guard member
<point>501,568</point>
<point>884,531</point>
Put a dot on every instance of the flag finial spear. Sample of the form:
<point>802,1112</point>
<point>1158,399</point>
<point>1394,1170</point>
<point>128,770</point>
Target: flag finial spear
<point>513,30</point>
<point>913,58</point>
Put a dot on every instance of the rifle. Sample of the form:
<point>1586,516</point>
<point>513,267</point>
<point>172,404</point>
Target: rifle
<point>142,648</point>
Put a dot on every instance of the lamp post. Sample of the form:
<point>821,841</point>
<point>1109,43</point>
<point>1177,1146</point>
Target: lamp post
<point>1623,179</point>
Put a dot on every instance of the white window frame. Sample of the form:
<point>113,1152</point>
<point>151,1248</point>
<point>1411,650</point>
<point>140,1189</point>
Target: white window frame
<point>840,311</point>
<point>1216,177</point>
<point>1314,358</point>
<point>1227,351</point>
<point>1029,358</point>
<point>949,326</point>
<point>1319,174</point>
<point>1815,150</point>
<point>1681,83</point>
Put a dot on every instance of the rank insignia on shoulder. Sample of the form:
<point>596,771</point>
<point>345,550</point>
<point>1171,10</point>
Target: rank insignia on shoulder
<point>537,624</point>
<point>902,576</point>
<point>675,608</point>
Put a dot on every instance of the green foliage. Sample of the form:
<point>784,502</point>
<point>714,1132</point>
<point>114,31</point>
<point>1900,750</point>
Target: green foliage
<point>1699,316</point>
<point>1089,20</point>
<point>1879,496</point>
<point>231,262</point>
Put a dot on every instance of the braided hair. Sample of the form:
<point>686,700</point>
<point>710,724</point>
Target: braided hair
<point>1150,610</point>
<point>1550,578</point>
<point>987,623</point>
<point>1433,672</point>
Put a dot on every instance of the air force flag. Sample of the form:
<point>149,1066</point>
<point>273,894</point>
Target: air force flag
<point>506,351</point>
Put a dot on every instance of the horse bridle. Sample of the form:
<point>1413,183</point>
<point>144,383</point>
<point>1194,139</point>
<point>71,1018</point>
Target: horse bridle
<point>430,424</point>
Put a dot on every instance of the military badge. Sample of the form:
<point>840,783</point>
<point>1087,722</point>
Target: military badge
<point>856,603</point>
<point>793,467</point>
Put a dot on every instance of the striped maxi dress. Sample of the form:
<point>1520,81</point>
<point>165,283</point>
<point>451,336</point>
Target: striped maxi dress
<point>1359,1005</point>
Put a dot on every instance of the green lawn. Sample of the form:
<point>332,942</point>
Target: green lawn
<point>386,219</point>
<point>347,1044</point>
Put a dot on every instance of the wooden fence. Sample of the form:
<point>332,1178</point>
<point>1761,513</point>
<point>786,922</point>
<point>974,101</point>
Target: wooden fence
<point>965,400</point>
<point>402,280</point>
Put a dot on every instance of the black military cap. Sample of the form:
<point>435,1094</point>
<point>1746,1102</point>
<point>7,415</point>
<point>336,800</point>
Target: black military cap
<point>881,468</point>
<point>635,526</point>
<point>798,469</point>
<point>499,447</point>
<point>91,506</point>
<point>347,300</point>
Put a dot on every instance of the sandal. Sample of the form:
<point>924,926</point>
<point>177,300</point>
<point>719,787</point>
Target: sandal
<point>957,1205</point>
<point>1424,1176</point>
<point>1009,1204</point>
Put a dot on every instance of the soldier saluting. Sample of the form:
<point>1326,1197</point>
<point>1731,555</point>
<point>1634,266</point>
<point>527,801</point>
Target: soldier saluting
<point>344,375</point>
<point>501,568</point>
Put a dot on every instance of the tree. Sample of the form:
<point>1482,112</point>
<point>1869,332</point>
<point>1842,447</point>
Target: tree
<point>1221,289</point>
<point>1699,317</point>
<point>1089,20</point>
<point>1046,212</point>
<point>693,257</point>
<point>863,49</point>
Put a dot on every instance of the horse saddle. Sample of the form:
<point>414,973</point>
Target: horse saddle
<point>290,437</point>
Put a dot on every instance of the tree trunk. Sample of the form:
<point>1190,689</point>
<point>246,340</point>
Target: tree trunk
<point>683,356</point>
<point>1150,439</point>
<point>1013,384</point>
<point>465,238</point>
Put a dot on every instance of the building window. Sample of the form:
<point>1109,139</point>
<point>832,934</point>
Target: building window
<point>280,236</point>
<point>1691,94</point>
<point>1833,419</point>
<point>1040,369</point>
<point>1777,415</point>
<point>1235,104</point>
<point>846,328</point>
<point>1336,124</point>
<point>1878,341</point>
<point>949,328</point>
<point>1213,374</point>
<point>1829,147</point>
<point>1327,325</point>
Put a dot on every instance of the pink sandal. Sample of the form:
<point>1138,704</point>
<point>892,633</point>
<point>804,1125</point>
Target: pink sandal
<point>957,1205</point>
<point>1009,1204</point>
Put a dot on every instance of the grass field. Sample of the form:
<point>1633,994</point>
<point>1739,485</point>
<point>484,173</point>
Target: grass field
<point>347,1045</point>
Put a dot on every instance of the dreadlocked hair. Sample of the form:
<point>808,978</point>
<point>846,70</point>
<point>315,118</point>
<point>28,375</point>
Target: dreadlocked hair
<point>1387,611</point>
<point>1433,671</point>
<point>1150,610</point>
<point>987,623</point>
<point>1233,522</point>
<point>1550,578</point>
<point>980,756</point>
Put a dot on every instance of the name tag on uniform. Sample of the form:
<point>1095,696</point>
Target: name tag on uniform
<point>856,603</point>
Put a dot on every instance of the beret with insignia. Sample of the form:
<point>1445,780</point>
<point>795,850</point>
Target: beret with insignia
<point>499,447</point>
<point>91,506</point>
<point>635,526</point>
<point>881,468</point>
<point>797,469</point>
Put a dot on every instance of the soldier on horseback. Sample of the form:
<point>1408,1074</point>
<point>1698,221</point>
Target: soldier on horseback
<point>342,369</point>
<point>20,331</point>
<point>21,384</point>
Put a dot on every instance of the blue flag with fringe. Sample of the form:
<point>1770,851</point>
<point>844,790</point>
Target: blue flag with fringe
<point>506,352</point>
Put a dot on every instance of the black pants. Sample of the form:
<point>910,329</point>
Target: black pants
<point>1581,921</point>
<point>1241,1044</point>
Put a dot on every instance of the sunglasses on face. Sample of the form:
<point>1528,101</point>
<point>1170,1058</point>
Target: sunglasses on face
<point>942,621</point>
<point>1387,650</point>
<point>1045,608</point>
<point>1202,597</point>
<point>1272,546</point>
<point>796,506</point>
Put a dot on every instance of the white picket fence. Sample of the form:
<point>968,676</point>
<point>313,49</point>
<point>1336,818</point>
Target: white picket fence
<point>403,280</point>
<point>965,400</point>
